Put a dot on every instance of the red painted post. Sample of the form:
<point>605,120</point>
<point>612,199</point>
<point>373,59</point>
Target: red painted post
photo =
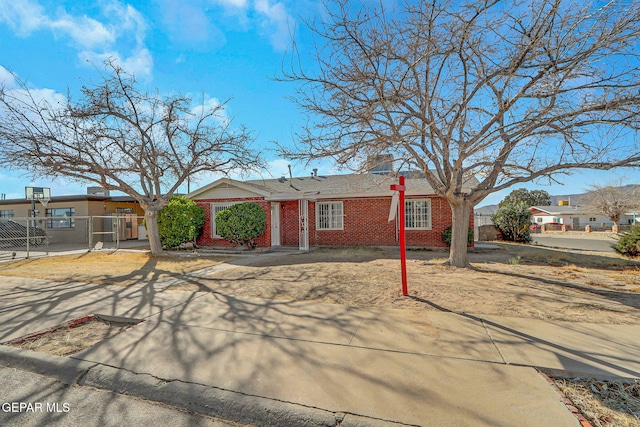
<point>403,238</point>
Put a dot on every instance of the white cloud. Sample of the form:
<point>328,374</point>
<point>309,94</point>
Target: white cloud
<point>239,4</point>
<point>94,38</point>
<point>6,78</point>
<point>203,21</point>
<point>276,22</point>
<point>23,17</point>
<point>84,31</point>
<point>139,63</point>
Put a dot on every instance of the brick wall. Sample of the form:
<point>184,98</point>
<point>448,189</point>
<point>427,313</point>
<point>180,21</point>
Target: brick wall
<point>365,223</point>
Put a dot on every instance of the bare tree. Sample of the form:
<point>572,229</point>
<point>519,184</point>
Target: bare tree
<point>121,138</point>
<point>507,91</point>
<point>612,201</point>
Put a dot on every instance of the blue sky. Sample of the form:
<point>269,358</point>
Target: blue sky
<point>224,48</point>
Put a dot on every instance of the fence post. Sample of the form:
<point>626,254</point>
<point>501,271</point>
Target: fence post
<point>28,227</point>
<point>117,232</point>
<point>90,232</point>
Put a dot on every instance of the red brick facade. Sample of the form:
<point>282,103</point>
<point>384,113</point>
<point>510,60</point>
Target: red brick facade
<point>365,223</point>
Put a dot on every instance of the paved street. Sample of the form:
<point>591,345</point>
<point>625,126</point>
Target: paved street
<point>583,244</point>
<point>28,399</point>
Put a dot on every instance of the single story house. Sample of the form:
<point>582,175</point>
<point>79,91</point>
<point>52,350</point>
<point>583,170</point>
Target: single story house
<point>70,219</point>
<point>573,216</point>
<point>336,210</point>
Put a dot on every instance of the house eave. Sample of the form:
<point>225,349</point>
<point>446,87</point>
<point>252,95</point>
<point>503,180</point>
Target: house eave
<point>231,182</point>
<point>281,197</point>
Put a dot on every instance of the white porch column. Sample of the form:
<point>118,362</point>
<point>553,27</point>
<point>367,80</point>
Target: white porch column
<point>303,214</point>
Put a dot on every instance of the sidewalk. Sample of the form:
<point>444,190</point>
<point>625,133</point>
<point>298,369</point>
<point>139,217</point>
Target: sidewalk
<point>289,363</point>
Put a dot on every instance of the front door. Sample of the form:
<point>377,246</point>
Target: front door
<point>275,224</point>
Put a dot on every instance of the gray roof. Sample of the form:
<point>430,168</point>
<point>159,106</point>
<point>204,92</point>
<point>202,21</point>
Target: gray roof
<point>339,184</point>
<point>325,186</point>
<point>344,185</point>
<point>73,198</point>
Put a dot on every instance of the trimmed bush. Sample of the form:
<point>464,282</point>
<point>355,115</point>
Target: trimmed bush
<point>241,223</point>
<point>629,243</point>
<point>513,221</point>
<point>179,222</point>
<point>446,236</point>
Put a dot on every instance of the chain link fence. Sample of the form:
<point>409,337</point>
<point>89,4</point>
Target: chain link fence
<point>22,237</point>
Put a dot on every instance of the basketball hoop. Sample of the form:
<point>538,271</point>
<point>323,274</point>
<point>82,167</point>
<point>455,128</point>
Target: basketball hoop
<point>41,194</point>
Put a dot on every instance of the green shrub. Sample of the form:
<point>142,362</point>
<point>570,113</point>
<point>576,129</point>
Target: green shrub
<point>513,221</point>
<point>446,236</point>
<point>629,243</point>
<point>180,222</point>
<point>241,223</point>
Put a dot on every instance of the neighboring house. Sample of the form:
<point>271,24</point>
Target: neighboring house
<point>573,216</point>
<point>67,218</point>
<point>337,210</point>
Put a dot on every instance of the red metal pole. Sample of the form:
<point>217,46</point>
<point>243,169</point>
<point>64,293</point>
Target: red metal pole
<point>403,239</point>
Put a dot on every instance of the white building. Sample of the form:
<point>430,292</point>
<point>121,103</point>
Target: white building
<point>574,217</point>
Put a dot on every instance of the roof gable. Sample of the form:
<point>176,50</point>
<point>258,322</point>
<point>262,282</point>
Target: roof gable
<point>225,188</point>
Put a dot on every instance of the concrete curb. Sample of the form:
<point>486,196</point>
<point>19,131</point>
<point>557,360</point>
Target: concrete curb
<point>69,371</point>
<point>198,398</point>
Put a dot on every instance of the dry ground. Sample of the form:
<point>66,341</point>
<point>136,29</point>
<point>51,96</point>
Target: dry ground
<point>66,340</point>
<point>517,281</point>
<point>120,268</point>
<point>604,403</point>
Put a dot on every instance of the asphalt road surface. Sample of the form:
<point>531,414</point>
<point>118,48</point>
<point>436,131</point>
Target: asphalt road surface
<point>28,399</point>
<point>583,244</point>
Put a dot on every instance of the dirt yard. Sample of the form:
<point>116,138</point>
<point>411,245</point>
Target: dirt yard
<point>122,268</point>
<point>515,280</point>
<point>518,281</point>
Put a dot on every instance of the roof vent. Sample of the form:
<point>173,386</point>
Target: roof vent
<point>97,191</point>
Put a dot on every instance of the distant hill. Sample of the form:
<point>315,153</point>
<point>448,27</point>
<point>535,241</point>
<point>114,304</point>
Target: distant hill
<point>486,210</point>
<point>574,200</point>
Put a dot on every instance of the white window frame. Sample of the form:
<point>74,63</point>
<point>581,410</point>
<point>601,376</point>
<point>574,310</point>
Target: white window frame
<point>413,216</point>
<point>7,213</point>
<point>335,215</point>
<point>215,208</point>
<point>61,218</point>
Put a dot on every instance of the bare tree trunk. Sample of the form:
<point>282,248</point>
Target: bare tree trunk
<point>151,219</point>
<point>459,233</point>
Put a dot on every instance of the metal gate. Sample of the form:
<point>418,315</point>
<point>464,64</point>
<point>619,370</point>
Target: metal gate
<point>24,237</point>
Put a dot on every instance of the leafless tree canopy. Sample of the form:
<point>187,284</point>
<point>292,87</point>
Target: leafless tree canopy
<point>121,138</point>
<point>507,91</point>
<point>612,201</point>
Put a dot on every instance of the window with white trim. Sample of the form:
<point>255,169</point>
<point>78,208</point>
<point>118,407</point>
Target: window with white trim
<point>329,216</point>
<point>7,213</point>
<point>417,214</point>
<point>215,208</point>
